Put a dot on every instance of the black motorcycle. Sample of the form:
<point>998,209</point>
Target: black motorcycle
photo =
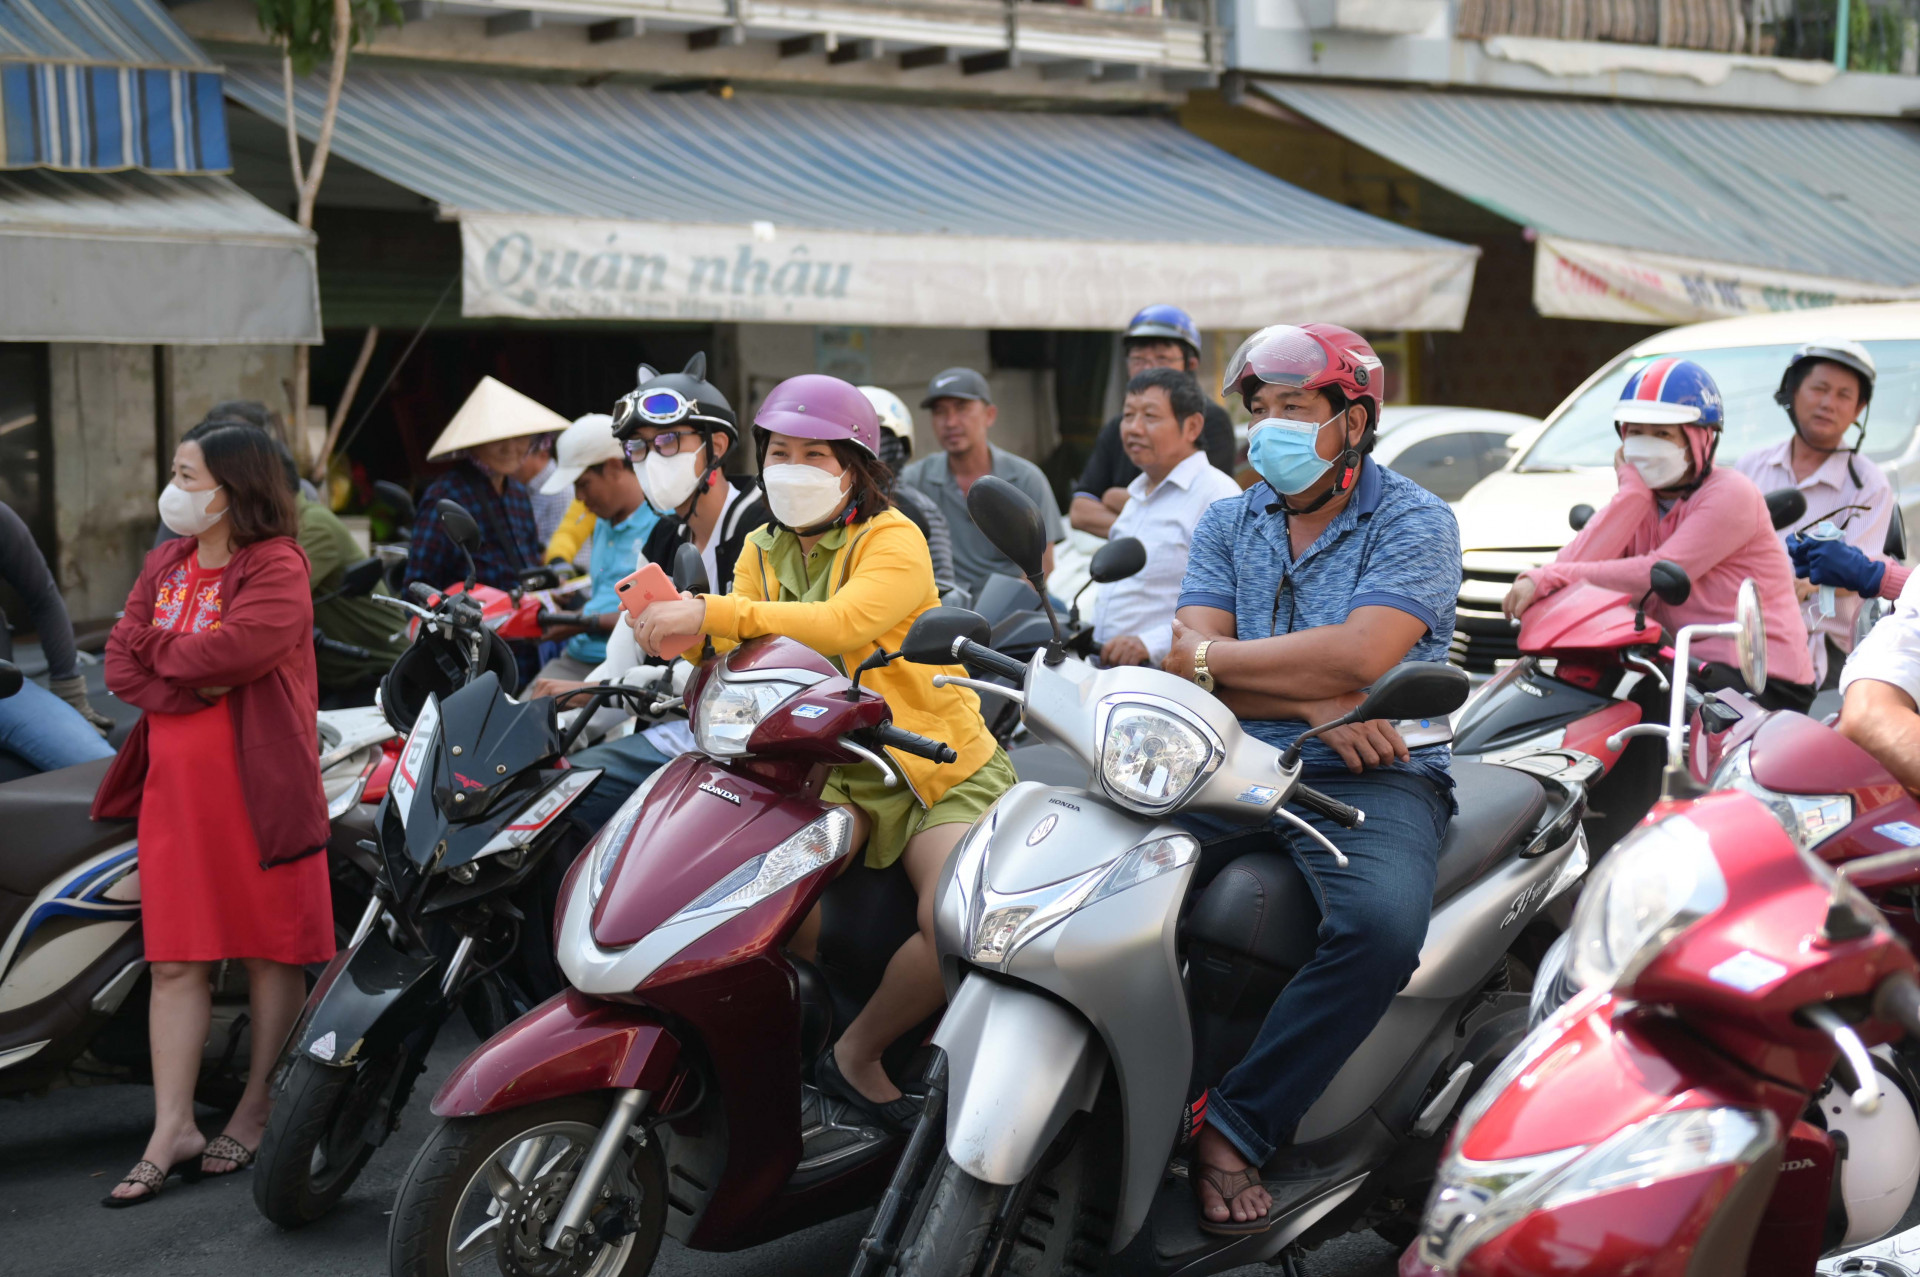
<point>469,851</point>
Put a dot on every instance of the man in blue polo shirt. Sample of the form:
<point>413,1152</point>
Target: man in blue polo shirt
<point>593,464</point>
<point>1297,596</point>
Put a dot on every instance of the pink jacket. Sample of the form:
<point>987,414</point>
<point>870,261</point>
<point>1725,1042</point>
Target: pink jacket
<point>1721,535</point>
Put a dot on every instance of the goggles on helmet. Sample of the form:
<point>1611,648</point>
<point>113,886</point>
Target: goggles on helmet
<point>661,406</point>
<point>1280,355</point>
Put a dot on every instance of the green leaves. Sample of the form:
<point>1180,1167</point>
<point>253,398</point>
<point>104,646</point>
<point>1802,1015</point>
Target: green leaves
<point>305,27</point>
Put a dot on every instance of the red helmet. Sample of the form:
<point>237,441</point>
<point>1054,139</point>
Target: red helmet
<point>1308,357</point>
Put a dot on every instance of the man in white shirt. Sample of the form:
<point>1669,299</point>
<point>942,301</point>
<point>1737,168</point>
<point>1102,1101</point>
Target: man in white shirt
<point>1160,429</point>
<point>1881,684</point>
<point>1825,390</point>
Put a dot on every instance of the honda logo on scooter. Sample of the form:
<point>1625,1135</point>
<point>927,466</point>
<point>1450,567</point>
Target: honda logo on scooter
<point>708,787</point>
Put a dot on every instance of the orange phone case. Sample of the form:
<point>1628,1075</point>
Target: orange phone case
<point>651,585</point>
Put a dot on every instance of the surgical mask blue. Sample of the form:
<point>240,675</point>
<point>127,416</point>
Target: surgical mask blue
<point>1282,452</point>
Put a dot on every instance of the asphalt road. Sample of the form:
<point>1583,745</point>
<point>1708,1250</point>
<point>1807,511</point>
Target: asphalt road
<point>62,1151</point>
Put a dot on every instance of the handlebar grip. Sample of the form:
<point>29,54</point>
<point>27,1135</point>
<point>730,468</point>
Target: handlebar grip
<point>1325,805</point>
<point>993,662</point>
<point>1898,1000</point>
<point>420,592</point>
<point>913,743</point>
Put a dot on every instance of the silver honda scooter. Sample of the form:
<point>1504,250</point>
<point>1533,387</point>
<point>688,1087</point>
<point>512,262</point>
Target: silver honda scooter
<point>1103,968</point>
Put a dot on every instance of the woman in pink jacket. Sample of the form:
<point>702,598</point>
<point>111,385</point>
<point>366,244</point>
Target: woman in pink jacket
<point>1675,504</point>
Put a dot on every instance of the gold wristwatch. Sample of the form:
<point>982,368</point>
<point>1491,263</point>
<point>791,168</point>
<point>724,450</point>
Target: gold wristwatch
<point>1202,676</point>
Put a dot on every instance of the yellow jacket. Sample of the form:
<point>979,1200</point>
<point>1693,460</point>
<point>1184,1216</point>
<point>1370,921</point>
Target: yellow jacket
<point>575,530</point>
<point>882,581</point>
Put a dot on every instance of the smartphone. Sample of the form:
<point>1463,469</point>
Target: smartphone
<point>647,586</point>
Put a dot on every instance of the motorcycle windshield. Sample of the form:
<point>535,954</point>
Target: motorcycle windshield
<point>486,745</point>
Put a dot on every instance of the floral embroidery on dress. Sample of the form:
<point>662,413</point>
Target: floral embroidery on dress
<point>171,599</point>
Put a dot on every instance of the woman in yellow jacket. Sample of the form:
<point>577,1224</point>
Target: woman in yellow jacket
<point>845,574</point>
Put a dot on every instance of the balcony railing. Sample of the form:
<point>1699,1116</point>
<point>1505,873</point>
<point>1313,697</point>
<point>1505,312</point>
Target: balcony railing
<point>1883,35</point>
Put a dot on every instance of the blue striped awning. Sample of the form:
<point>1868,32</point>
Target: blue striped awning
<point>106,85</point>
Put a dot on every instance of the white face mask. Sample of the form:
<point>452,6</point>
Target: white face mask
<point>185,513</point>
<point>803,496</point>
<point>1660,462</point>
<point>669,481</point>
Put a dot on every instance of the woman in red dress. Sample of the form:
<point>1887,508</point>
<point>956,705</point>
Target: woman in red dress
<point>216,645</point>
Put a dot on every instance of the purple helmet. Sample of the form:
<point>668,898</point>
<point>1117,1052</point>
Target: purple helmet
<point>817,406</point>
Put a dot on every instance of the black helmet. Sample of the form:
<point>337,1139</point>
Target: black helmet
<point>436,666</point>
<point>671,398</point>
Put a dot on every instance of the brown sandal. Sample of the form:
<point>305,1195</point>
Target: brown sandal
<point>1230,1184</point>
<point>151,1178</point>
<point>225,1148</point>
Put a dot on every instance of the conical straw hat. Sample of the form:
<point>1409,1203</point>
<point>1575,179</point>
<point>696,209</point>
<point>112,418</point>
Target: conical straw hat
<point>495,411</point>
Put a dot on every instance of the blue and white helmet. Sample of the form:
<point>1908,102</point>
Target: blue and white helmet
<point>1670,392</point>
<point>1165,323</point>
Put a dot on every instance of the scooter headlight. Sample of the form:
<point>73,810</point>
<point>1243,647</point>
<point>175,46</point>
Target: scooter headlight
<point>1658,881</point>
<point>1473,1202</point>
<point>724,719</point>
<point>1809,819</point>
<point>815,847</point>
<point>607,845</point>
<point>1152,756</point>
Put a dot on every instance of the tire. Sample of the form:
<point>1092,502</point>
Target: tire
<point>315,1143</point>
<point>438,1198</point>
<point>1062,1228</point>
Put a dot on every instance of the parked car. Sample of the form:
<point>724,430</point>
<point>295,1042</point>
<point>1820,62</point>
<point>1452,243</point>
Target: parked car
<point>1517,518</point>
<point>1447,450</point>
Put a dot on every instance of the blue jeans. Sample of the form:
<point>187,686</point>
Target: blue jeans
<point>1373,920</point>
<point>46,732</point>
<point>625,763</point>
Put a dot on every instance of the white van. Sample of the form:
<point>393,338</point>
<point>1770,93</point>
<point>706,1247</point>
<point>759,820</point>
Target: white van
<point>1517,518</point>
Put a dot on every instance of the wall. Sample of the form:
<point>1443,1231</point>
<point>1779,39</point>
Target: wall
<point>195,378</point>
<point>105,472</point>
<point>903,360</point>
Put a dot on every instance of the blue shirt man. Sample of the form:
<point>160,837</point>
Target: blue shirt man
<point>613,554</point>
<point>1299,595</point>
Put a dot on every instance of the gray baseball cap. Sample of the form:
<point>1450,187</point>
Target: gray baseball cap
<point>957,383</point>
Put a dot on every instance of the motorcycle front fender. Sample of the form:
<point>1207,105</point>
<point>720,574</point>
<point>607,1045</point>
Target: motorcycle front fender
<point>370,996</point>
<point>568,1045</point>
<point>1018,1066</point>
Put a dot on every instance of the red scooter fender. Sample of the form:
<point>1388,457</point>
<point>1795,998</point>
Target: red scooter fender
<point>568,1045</point>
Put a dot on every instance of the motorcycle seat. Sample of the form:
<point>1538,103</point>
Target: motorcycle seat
<point>48,830</point>
<point>1499,808</point>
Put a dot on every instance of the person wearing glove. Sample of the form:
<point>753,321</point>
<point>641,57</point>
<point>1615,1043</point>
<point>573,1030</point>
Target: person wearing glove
<point>55,726</point>
<point>1847,567</point>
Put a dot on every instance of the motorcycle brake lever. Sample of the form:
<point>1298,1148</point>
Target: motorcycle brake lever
<point>1866,1080</point>
<point>1338,855</point>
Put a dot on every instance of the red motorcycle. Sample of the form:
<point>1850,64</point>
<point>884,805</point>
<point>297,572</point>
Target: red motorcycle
<point>1710,1103</point>
<point>664,1092</point>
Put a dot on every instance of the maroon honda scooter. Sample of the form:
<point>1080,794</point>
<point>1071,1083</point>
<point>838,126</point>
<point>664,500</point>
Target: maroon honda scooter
<point>663,1093</point>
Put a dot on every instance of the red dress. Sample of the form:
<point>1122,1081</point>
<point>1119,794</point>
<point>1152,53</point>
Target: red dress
<point>203,894</point>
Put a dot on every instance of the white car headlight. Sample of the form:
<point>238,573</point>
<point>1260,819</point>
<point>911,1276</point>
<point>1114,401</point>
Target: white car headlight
<point>542,811</point>
<point>1474,1202</point>
<point>1656,882</point>
<point>1809,819</point>
<point>411,771</point>
<point>724,719</point>
<point>1152,756</point>
<point>815,847</point>
<point>604,850</point>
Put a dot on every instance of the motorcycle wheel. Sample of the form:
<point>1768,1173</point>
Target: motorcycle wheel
<point>316,1141</point>
<point>1062,1227</point>
<point>475,1199</point>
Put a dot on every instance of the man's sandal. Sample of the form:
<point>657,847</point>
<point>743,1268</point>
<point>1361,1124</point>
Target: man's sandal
<point>225,1148</point>
<point>153,1179</point>
<point>1230,1184</point>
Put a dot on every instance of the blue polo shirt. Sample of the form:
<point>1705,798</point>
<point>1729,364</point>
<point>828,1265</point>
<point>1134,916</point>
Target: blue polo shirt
<point>1393,545</point>
<point>612,555</point>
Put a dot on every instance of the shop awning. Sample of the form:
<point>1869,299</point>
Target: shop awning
<point>614,202</point>
<point>139,257</point>
<point>1655,214</point>
<point>106,85</point>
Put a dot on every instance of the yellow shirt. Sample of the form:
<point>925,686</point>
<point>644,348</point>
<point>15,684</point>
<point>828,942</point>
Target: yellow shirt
<point>575,530</point>
<point>881,581</point>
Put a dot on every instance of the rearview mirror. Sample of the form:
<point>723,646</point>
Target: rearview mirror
<point>11,679</point>
<point>1011,521</point>
<point>1579,516</point>
<point>1896,542</point>
<point>360,578</point>
<point>939,630</point>
<point>395,498</point>
<point>1750,642</point>
<point>1415,689</point>
<point>1117,560</point>
<point>690,570</point>
<point>1670,582</point>
<point>1786,507</point>
<point>459,524</point>
<point>1871,613</point>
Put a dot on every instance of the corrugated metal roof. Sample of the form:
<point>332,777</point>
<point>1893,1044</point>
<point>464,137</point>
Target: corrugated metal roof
<point>1826,196</point>
<point>103,32</point>
<point>518,146</point>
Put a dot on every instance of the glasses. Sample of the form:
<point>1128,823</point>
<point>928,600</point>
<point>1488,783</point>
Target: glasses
<point>667,443</point>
